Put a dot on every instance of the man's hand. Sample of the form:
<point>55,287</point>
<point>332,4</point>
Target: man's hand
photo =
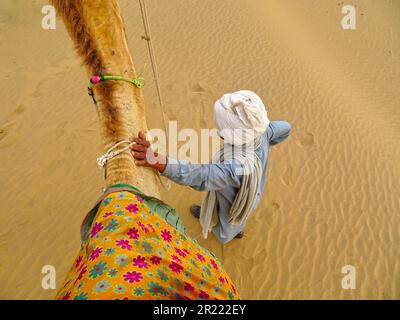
<point>145,156</point>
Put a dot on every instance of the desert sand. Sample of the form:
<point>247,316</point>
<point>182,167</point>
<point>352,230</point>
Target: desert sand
<point>332,194</point>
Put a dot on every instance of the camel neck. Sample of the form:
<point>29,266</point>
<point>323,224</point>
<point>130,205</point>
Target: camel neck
<point>120,105</point>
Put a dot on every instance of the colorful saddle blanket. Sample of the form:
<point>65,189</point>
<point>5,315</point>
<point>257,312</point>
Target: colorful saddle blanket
<point>135,247</point>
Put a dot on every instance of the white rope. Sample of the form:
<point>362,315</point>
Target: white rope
<point>111,153</point>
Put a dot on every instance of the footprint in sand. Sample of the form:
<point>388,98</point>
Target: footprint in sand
<point>20,109</point>
<point>287,176</point>
<point>275,205</point>
<point>3,133</point>
<point>198,88</point>
<point>36,93</point>
<point>60,129</point>
<point>306,139</point>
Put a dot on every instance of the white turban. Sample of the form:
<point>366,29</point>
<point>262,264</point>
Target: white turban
<point>240,117</point>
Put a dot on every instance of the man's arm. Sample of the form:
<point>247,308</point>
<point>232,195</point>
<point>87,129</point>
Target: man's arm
<point>278,131</point>
<point>213,176</point>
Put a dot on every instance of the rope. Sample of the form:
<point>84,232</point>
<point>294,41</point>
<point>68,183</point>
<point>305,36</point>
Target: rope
<point>147,37</point>
<point>150,47</point>
<point>111,153</point>
<point>95,79</point>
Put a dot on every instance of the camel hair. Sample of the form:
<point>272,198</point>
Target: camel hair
<point>97,30</point>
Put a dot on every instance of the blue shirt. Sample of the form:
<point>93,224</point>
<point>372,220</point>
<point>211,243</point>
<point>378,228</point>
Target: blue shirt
<point>224,180</point>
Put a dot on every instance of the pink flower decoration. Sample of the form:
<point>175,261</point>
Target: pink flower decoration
<point>155,260</point>
<point>95,79</point>
<point>151,227</point>
<point>133,233</point>
<point>188,287</point>
<point>124,244</point>
<point>143,227</point>
<point>133,276</point>
<point>180,252</point>
<point>107,214</point>
<point>97,227</point>
<point>214,264</point>
<point>78,261</point>
<point>174,257</point>
<point>200,257</point>
<point>81,273</point>
<point>140,262</point>
<point>67,295</point>
<point>166,235</point>
<point>95,253</point>
<point>186,251</point>
<point>138,198</point>
<point>132,208</point>
<point>203,295</point>
<point>221,279</point>
<point>81,267</point>
<point>177,268</point>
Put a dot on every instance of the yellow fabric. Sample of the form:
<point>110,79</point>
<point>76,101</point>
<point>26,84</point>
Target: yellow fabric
<point>133,253</point>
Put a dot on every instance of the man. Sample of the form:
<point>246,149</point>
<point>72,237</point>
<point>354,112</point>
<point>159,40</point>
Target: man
<point>236,182</point>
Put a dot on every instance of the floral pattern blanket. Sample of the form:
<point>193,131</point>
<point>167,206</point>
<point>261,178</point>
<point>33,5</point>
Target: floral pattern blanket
<point>135,249</point>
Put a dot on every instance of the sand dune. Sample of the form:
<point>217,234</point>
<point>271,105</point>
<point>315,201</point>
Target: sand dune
<point>332,196</point>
